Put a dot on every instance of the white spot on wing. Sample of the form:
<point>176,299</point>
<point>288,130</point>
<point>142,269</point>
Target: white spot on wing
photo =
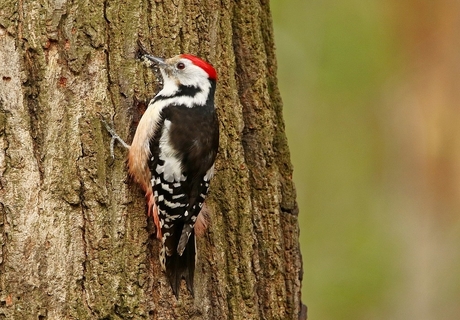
<point>166,187</point>
<point>209,174</point>
<point>174,205</point>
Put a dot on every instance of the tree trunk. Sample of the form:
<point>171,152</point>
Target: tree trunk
<point>74,239</point>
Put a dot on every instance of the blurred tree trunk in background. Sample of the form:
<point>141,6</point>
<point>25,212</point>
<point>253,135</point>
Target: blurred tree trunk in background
<point>425,137</point>
<point>74,241</point>
<point>373,114</point>
<point>431,94</point>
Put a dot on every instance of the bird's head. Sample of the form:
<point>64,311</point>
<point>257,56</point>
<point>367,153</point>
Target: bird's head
<point>185,69</point>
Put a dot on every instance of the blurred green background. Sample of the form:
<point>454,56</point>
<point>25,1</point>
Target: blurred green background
<point>371,93</point>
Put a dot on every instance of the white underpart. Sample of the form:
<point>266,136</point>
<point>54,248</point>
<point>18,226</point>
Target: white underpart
<point>172,169</point>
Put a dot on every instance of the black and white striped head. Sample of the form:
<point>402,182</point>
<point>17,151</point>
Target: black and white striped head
<point>186,70</point>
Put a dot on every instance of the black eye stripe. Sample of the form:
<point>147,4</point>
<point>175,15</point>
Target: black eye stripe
<point>180,66</point>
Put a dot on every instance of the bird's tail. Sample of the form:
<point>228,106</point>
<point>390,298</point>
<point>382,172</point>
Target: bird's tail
<point>180,267</point>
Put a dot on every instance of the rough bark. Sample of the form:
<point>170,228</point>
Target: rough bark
<point>74,239</point>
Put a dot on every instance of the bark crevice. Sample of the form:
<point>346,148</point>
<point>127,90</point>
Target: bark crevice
<point>85,243</point>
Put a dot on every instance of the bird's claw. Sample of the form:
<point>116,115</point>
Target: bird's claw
<point>115,137</point>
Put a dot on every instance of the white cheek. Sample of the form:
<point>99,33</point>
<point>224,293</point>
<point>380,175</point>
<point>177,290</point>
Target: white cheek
<point>169,87</point>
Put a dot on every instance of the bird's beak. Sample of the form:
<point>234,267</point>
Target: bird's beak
<point>159,61</point>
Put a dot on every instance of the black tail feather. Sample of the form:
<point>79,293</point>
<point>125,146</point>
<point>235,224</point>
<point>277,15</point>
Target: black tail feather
<point>182,267</point>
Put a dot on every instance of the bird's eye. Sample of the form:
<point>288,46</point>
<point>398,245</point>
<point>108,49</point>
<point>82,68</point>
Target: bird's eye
<point>180,66</point>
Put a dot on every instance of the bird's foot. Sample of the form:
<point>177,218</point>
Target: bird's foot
<point>115,137</point>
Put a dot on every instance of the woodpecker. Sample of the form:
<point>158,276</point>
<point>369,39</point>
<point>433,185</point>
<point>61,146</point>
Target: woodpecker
<point>172,158</point>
